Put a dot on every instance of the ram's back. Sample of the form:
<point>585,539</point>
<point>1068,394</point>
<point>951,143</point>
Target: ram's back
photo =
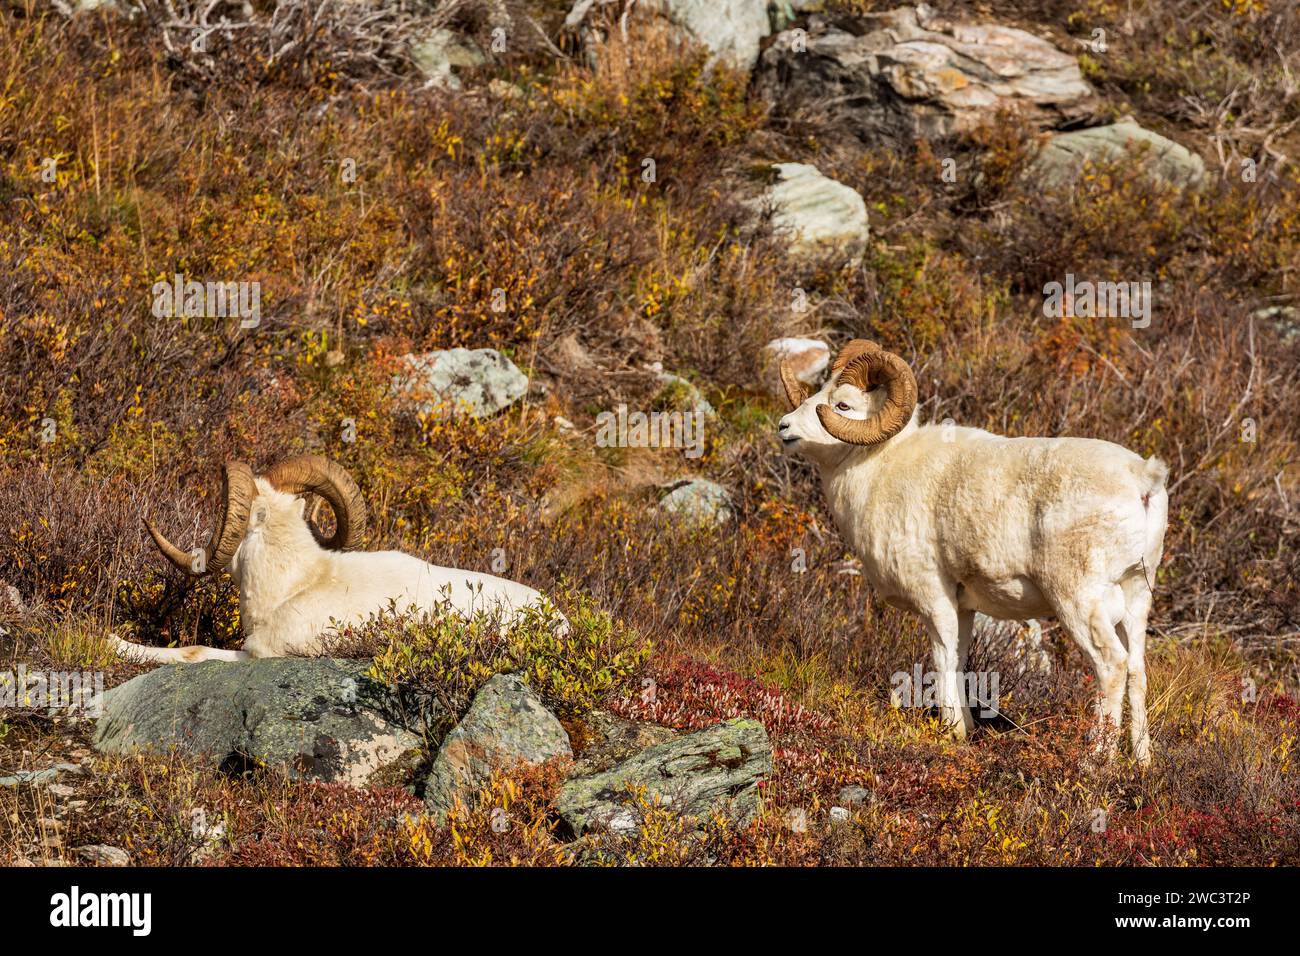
<point>1069,508</point>
<point>1007,518</point>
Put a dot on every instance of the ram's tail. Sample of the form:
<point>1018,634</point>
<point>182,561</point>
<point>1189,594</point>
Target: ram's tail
<point>172,655</point>
<point>1156,472</point>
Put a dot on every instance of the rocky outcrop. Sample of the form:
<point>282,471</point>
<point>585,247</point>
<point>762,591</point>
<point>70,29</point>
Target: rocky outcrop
<point>715,770</point>
<point>316,718</point>
<point>909,74</point>
<point>1063,159</point>
<point>11,601</point>
<point>478,383</point>
<point>506,726</point>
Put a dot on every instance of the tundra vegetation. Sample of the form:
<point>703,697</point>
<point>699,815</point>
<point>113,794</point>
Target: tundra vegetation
<point>378,216</point>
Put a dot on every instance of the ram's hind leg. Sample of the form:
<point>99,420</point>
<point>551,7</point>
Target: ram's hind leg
<point>1091,627</point>
<point>1137,606</point>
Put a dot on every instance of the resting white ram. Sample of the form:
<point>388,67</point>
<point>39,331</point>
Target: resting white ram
<point>949,521</point>
<point>293,582</point>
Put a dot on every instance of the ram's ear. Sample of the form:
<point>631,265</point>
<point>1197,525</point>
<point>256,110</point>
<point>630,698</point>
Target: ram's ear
<point>301,505</point>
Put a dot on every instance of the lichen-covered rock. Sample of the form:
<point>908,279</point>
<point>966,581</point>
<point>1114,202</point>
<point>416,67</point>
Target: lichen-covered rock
<point>608,740</point>
<point>506,726</point>
<point>316,718</point>
<point>715,770</point>
<point>818,217</point>
<point>1063,158</point>
<point>439,53</point>
<point>697,501</point>
<point>442,384</point>
<point>910,74</point>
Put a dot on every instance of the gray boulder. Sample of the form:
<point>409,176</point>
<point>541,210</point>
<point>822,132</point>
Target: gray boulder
<point>909,74</point>
<point>316,718</point>
<point>697,501</point>
<point>818,217</point>
<point>506,725</point>
<point>715,770</point>
<point>1061,161</point>
<point>478,383</point>
<point>730,29</point>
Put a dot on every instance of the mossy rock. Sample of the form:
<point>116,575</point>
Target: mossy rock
<point>315,718</point>
<point>715,770</point>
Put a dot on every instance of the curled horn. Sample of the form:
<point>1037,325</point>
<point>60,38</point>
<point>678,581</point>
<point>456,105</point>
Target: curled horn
<point>795,392</point>
<point>320,476</point>
<point>851,351</point>
<point>869,367</point>
<point>237,491</point>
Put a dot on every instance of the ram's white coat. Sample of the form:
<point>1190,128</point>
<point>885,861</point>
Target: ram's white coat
<point>291,589</point>
<point>949,521</point>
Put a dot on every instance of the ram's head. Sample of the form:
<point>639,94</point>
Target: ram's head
<point>868,398</point>
<point>242,493</point>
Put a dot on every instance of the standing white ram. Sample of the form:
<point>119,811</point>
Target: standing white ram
<point>949,521</point>
<point>295,584</point>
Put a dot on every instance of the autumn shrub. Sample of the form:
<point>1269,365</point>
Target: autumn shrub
<point>573,662</point>
<point>652,97</point>
<point>1221,68</point>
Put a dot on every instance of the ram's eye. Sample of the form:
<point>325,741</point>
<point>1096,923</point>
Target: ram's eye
<point>842,406</point>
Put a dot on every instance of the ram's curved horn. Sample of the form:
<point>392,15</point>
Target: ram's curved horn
<point>237,492</point>
<point>852,350</point>
<point>319,475</point>
<point>795,392</point>
<point>869,368</point>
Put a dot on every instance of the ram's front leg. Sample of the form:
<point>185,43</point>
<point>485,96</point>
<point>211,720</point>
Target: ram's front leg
<point>950,631</point>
